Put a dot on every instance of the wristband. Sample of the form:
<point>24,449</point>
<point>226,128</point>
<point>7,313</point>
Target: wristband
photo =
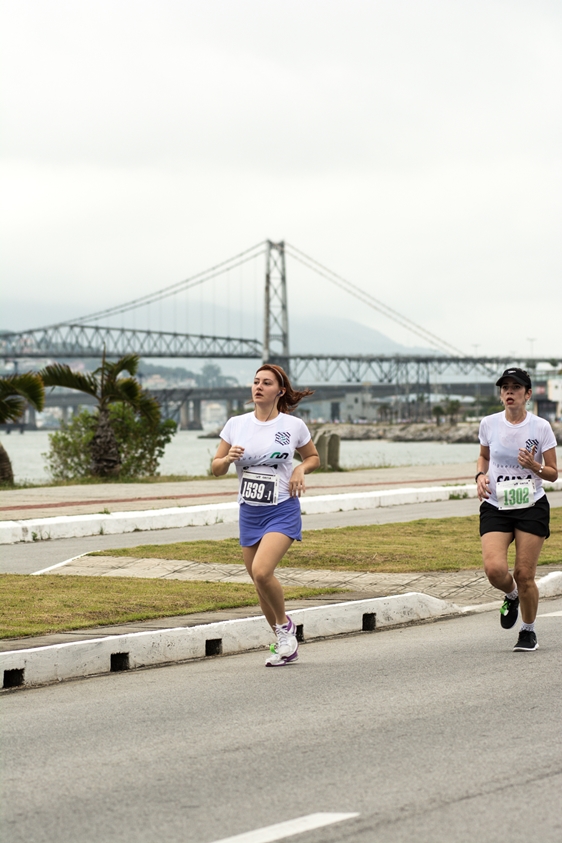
<point>478,475</point>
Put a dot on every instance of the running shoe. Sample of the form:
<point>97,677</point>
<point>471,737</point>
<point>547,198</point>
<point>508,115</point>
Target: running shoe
<point>509,612</point>
<point>286,639</point>
<point>275,660</point>
<point>527,642</point>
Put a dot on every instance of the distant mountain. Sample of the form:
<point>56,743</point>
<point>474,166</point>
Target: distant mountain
<point>332,335</point>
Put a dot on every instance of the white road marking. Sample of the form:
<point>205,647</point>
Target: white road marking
<point>551,615</point>
<point>60,564</point>
<point>287,829</point>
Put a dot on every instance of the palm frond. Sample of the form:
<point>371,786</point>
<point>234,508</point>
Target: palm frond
<point>149,408</point>
<point>128,363</point>
<point>59,374</point>
<point>11,408</point>
<point>128,390</point>
<point>111,371</point>
<point>16,391</point>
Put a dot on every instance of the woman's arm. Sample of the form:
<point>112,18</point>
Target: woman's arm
<point>310,461</point>
<point>548,471</point>
<point>482,466</point>
<point>225,456</point>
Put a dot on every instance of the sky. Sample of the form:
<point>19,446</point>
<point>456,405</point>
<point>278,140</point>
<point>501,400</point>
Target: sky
<point>411,146</point>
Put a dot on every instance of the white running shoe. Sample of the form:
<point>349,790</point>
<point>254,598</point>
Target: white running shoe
<point>275,660</point>
<point>287,643</point>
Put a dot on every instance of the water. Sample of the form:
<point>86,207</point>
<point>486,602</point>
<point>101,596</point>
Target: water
<point>187,454</point>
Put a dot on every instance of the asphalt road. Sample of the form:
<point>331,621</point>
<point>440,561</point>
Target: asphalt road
<point>436,733</point>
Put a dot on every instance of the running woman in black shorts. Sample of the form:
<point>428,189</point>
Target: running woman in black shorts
<point>517,452</point>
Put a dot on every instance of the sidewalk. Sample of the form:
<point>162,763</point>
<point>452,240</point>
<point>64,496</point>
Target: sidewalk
<point>49,501</point>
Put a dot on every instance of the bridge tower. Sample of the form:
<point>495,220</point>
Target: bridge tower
<point>276,320</point>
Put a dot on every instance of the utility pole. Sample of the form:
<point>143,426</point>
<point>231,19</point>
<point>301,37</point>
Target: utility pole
<point>276,320</point>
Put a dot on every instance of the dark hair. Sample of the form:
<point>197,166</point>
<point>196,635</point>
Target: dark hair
<point>291,397</point>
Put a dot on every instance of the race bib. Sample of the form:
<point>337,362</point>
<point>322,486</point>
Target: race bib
<point>515,494</point>
<point>260,489</point>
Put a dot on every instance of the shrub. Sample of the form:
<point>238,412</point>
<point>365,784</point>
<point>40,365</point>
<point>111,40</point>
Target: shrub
<point>141,445</point>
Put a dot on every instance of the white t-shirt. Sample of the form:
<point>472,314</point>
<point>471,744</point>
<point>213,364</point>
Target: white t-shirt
<point>504,441</point>
<point>269,446</point>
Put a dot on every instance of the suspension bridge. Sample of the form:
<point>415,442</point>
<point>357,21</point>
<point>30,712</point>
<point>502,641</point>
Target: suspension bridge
<point>89,336</point>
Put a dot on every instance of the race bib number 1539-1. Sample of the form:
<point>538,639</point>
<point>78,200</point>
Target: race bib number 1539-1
<point>260,489</point>
<point>515,494</point>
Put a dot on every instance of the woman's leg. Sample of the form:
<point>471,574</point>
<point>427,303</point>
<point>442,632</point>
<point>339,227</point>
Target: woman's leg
<point>527,552</point>
<point>494,554</point>
<point>248,554</point>
<point>261,560</point>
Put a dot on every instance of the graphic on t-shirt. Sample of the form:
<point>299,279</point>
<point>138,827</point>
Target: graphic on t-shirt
<point>283,437</point>
<point>531,443</point>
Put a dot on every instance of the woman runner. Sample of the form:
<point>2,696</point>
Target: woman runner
<point>261,445</point>
<point>517,452</point>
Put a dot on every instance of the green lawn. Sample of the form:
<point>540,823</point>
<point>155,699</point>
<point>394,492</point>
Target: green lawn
<point>53,603</point>
<point>444,544</point>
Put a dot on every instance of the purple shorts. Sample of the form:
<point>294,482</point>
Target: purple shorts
<point>256,521</point>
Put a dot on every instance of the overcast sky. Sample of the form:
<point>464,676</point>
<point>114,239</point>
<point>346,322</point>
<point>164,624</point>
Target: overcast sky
<point>412,146</point>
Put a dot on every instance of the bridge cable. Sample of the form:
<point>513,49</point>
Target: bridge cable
<point>371,301</point>
<point>173,289</point>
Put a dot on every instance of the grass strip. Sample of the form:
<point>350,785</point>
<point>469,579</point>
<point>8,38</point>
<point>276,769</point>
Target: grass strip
<point>52,603</point>
<point>440,544</point>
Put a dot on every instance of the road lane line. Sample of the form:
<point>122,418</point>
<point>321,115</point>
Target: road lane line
<point>551,615</point>
<point>60,564</point>
<point>287,829</point>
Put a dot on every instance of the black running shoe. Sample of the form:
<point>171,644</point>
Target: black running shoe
<point>509,612</point>
<point>526,642</point>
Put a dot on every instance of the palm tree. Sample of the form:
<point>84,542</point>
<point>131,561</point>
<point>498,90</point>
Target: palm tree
<point>108,386</point>
<point>16,391</point>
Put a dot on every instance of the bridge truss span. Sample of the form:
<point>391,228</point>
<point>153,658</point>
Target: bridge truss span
<point>75,340</point>
<point>397,369</point>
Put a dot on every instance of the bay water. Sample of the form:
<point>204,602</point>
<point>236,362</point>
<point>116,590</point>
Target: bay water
<point>188,454</point>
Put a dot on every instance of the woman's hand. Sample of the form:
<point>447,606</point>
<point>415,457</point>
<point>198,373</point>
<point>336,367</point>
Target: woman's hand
<point>526,459</point>
<point>236,452</point>
<point>225,456</point>
<point>483,487</point>
<point>297,486</point>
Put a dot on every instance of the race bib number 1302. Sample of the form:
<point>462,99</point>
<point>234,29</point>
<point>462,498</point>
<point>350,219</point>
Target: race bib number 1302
<point>515,494</point>
<point>260,489</point>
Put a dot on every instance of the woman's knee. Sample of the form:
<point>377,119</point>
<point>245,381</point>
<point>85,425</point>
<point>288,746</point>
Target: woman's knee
<point>495,569</point>
<point>525,578</point>
<point>261,577</point>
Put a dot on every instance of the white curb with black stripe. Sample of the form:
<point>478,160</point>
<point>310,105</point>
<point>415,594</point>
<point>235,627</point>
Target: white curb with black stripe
<point>78,659</point>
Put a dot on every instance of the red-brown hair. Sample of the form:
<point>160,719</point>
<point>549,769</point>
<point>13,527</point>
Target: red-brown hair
<point>291,397</point>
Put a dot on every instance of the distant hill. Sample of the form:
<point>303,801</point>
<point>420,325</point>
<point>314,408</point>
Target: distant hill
<point>332,335</point>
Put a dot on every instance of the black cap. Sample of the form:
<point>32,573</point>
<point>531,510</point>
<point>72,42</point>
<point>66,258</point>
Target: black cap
<point>517,375</point>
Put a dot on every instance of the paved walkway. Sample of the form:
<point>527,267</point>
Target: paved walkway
<point>47,501</point>
<point>462,587</point>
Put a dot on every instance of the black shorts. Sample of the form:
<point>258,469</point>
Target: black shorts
<point>535,519</point>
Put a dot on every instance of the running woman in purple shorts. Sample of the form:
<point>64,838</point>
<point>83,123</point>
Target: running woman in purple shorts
<point>261,445</point>
<point>517,452</point>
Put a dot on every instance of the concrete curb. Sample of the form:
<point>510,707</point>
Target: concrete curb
<point>78,526</point>
<point>78,659</point>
